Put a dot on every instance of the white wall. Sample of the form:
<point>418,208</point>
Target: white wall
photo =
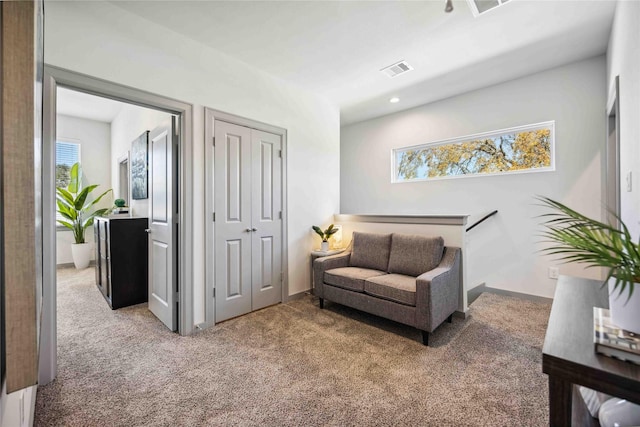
<point>125,127</point>
<point>18,408</point>
<point>95,151</point>
<point>102,40</point>
<point>503,251</point>
<point>623,59</point>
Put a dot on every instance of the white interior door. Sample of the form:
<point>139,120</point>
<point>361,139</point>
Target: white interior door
<point>162,228</point>
<point>266,253</point>
<point>248,223</point>
<point>232,201</point>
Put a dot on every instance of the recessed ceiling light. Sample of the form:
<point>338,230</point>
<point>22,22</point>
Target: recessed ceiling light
<point>394,100</point>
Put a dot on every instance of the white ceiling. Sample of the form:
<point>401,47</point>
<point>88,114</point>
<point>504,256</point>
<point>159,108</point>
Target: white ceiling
<point>336,48</point>
<point>79,104</point>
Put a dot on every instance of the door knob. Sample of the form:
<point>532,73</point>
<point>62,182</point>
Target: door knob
<point>248,230</point>
<point>148,230</point>
<point>254,229</point>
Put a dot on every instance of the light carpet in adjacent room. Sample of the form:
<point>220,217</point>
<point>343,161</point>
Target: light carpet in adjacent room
<point>294,365</point>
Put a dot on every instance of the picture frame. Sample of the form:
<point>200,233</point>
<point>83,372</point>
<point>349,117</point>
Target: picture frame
<point>140,167</point>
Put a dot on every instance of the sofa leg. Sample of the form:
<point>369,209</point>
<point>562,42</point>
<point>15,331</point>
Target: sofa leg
<point>321,303</point>
<point>425,338</point>
<point>450,318</point>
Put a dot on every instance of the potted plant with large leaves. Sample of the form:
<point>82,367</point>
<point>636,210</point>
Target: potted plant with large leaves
<point>325,235</point>
<point>577,238</point>
<point>75,207</point>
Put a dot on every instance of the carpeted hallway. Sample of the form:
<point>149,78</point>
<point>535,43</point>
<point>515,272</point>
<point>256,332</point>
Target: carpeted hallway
<point>294,364</point>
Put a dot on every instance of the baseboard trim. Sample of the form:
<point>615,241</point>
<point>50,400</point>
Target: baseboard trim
<point>460,314</point>
<point>474,293</point>
<point>92,263</point>
<point>299,295</point>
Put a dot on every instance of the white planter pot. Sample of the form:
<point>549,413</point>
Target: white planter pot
<point>81,253</point>
<point>324,246</point>
<point>625,311</point>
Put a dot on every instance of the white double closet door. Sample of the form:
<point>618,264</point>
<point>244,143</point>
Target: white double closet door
<point>248,222</point>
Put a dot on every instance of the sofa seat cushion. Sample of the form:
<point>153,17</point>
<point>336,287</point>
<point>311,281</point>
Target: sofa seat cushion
<point>393,287</point>
<point>351,278</point>
<point>413,255</point>
<point>370,250</point>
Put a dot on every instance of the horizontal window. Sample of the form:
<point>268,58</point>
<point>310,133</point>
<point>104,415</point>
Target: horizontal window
<point>519,149</point>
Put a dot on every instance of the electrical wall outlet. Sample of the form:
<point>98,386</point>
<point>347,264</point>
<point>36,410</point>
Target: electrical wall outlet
<point>629,182</point>
<point>554,272</point>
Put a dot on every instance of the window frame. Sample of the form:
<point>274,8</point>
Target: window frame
<point>476,136</point>
<point>66,141</point>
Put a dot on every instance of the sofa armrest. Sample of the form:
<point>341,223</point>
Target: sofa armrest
<point>322,264</point>
<point>438,290</point>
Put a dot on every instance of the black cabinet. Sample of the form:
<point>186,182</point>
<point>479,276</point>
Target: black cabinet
<point>122,260</point>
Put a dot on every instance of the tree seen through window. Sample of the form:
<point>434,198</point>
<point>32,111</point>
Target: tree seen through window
<point>508,152</point>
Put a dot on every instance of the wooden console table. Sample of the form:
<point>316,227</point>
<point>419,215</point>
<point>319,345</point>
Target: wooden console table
<point>569,357</point>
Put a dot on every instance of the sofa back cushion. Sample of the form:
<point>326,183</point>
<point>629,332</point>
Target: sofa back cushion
<point>370,250</point>
<point>413,255</point>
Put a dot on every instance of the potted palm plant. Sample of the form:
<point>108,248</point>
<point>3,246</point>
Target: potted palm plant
<point>75,208</point>
<point>577,238</point>
<point>325,235</point>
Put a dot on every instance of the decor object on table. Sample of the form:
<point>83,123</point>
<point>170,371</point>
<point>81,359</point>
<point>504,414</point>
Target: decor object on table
<point>74,206</point>
<point>575,237</point>
<point>119,207</point>
<point>612,341</point>
<point>410,279</point>
<point>139,167</point>
<point>325,235</point>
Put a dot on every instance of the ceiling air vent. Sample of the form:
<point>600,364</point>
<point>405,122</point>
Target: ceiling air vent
<point>478,7</point>
<point>397,69</point>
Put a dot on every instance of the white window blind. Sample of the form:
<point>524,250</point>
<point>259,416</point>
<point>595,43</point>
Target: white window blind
<point>67,153</point>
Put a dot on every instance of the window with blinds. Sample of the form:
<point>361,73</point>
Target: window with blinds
<point>67,154</point>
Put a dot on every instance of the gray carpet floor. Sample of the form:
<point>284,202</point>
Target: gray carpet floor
<point>294,365</point>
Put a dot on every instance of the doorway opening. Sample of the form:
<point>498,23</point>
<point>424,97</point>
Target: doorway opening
<point>162,164</point>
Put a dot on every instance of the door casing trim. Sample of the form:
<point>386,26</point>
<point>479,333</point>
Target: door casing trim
<point>54,77</point>
<point>211,116</point>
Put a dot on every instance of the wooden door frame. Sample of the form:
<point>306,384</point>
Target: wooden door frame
<point>211,116</point>
<point>54,77</point>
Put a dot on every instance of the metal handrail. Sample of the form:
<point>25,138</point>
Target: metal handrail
<point>484,218</point>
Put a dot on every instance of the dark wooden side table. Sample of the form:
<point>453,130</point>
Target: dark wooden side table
<point>569,357</point>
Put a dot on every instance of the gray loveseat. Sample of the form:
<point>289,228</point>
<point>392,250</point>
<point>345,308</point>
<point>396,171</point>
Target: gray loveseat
<point>410,279</point>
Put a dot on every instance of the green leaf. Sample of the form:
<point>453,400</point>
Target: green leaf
<point>318,231</point>
<point>574,237</point>
<point>75,178</point>
<point>82,196</point>
<point>66,211</point>
<point>65,196</point>
<point>65,223</point>
<point>96,200</point>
